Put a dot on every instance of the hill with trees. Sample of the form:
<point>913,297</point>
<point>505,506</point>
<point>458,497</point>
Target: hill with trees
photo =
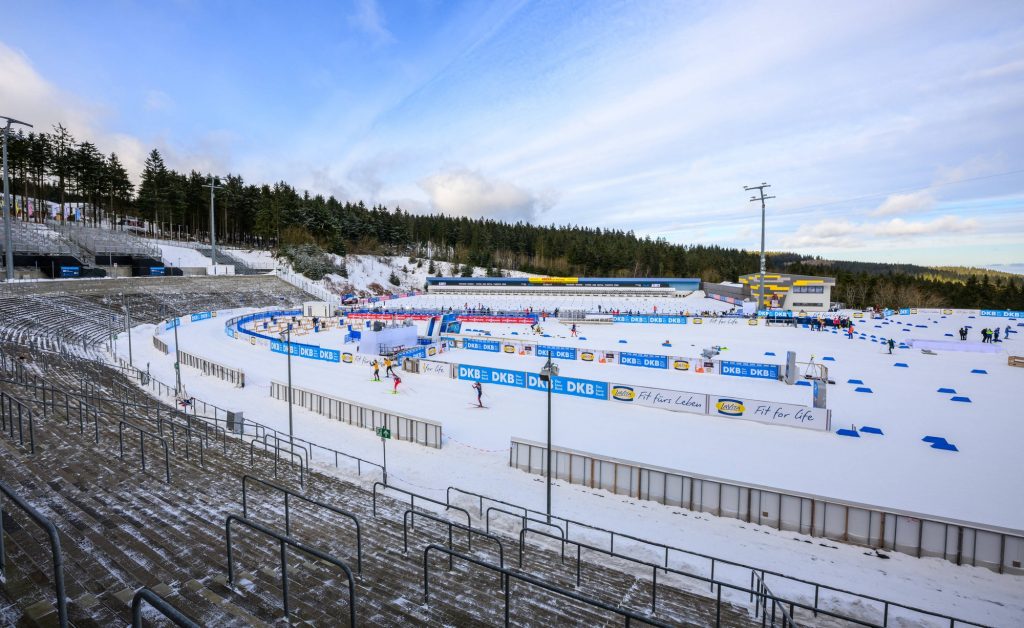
<point>55,167</point>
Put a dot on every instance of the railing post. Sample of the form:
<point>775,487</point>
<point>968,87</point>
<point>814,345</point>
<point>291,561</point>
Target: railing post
<point>284,578</point>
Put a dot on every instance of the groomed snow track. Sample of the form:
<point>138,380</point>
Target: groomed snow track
<point>122,528</point>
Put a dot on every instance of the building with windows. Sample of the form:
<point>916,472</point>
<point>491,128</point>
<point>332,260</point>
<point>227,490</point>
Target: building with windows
<point>790,292</point>
<point>593,286</point>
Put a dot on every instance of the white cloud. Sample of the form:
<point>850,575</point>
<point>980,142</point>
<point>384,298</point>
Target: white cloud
<point>468,193</point>
<point>844,234</point>
<point>899,228</point>
<point>27,96</point>
<point>920,201</point>
<point>368,19</point>
<point>157,100</point>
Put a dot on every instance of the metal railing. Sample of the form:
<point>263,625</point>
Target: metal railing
<point>241,426</point>
<point>143,433</point>
<point>277,456</point>
<point>764,598</point>
<point>164,607</point>
<point>12,408</point>
<point>287,512</point>
<point>285,541</point>
<point>508,574</point>
<point>409,521</point>
<point>414,496</point>
<point>666,549</point>
<point>55,551</point>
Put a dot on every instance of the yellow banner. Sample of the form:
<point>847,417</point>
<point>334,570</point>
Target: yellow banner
<point>543,280</point>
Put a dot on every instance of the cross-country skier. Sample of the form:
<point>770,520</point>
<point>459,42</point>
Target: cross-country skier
<point>387,367</point>
<point>572,330</point>
<point>398,380</point>
<point>479,394</point>
<point>376,371</point>
<point>892,345</point>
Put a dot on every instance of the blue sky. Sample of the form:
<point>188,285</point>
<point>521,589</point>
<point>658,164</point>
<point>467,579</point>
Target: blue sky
<point>889,131</point>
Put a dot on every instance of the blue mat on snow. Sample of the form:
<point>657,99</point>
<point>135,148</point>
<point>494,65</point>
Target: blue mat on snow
<point>872,430</point>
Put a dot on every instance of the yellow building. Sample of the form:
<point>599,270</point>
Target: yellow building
<point>791,292</point>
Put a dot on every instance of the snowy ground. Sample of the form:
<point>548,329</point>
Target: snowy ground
<point>896,470</point>
<point>180,256</point>
<point>694,303</point>
<point>366,270</point>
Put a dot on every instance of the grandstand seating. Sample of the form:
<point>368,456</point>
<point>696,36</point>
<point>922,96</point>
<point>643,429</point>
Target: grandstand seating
<point>123,528</point>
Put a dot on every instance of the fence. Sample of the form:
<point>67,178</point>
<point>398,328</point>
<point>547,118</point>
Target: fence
<point>209,367</point>
<point>412,429</point>
<point>999,549</point>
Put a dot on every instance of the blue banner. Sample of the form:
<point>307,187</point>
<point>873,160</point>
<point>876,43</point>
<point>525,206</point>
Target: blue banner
<point>588,388</point>
<point>201,316</point>
<point>644,359</point>
<point>1003,313</point>
<point>649,319</point>
<point>414,352</point>
<point>775,313</point>
<point>70,271</point>
<point>562,353</point>
<point>311,352</point>
<point>487,375</point>
<point>904,311</point>
<point>479,344</point>
<point>749,369</point>
<point>156,271</point>
<point>171,324</point>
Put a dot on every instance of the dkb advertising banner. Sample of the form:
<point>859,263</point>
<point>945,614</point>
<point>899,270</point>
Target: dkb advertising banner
<point>311,352</point>
<point>674,400</point>
<point>487,375</point>
<point>648,360</point>
<point>769,412</point>
<point>478,344</point>
<point>562,353</point>
<point>588,388</point>
<point>649,319</point>
<point>749,369</point>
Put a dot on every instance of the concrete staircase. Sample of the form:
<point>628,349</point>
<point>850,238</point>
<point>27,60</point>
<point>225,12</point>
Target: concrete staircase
<point>122,528</point>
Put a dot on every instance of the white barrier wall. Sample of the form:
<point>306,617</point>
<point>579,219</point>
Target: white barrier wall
<point>919,535</point>
<point>412,429</point>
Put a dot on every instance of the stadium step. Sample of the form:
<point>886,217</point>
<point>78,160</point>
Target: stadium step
<point>123,528</point>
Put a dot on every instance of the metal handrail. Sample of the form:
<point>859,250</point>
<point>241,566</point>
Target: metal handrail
<point>507,573</point>
<point>257,425</point>
<point>764,593</point>
<point>818,587</point>
<point>145,594</point>
<point>142,445</point>
<point>7,406</point>
<point>287,514</point>
<point>409,521</point>
<point>58,556</point>
<point>286,541</point>
<point>525,518</point>
<point>413,497</point>
<point>277,456</point>
<point>278,439</point>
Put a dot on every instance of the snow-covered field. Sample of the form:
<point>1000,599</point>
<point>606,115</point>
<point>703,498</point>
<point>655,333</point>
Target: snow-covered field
<point>366,270</point>
<point>979,483</point>
<point>180,256</point>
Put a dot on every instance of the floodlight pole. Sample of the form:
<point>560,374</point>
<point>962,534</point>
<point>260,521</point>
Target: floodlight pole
<point>128,326</point>
<point>291,437</point>
<point>8,240</point>
<point>762,198</point>
<point>213,222</point>
<point>548,372</point>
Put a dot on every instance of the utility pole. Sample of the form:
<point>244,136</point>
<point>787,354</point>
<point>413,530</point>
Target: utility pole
<point>213,228</point>
<point>128,326</point>
<point>8,240</point>
<point>762,198</point>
